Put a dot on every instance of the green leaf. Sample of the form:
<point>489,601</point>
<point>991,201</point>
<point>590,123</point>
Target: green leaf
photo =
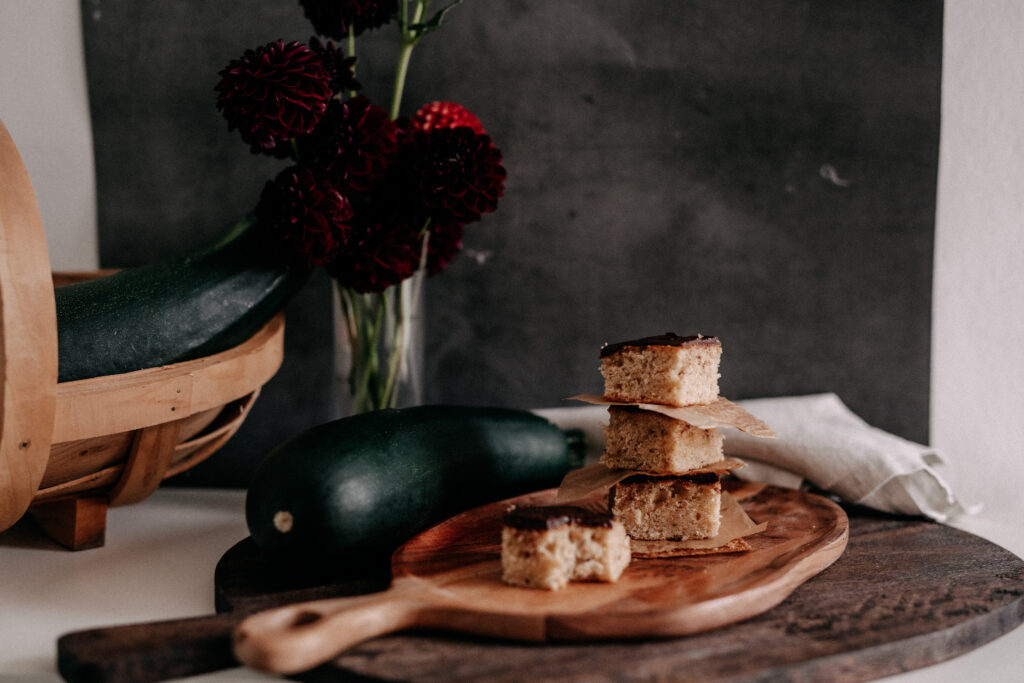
<point>435,22</point>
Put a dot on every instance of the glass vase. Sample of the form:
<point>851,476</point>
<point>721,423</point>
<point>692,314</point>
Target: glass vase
<point>379,347</point>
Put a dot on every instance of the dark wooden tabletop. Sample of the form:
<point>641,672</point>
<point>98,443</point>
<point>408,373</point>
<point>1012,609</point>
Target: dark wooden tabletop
<point>907,593</point>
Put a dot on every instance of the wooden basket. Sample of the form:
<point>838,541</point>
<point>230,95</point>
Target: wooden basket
<point>69,450</point>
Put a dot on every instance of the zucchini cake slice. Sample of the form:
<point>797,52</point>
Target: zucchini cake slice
<point>665,369</point>
<point>668,507</point>
<point>549,546</point>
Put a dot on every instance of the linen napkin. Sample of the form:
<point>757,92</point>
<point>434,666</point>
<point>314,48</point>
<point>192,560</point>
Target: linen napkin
<point>820,442</point>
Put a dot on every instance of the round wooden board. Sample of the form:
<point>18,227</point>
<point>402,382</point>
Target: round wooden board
<point>905,594</point>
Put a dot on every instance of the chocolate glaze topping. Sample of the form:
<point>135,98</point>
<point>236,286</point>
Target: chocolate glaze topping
<point>554,516</point>
<point>629,409</point>
<point>667,339</point>
<point>694,478</point>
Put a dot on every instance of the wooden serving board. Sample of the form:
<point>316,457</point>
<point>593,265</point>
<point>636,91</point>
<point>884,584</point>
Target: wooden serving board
<point>449,578</point>
<point>905,594</point>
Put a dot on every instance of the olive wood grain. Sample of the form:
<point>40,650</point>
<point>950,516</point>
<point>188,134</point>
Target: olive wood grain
<point>906,594</point>
<point>28,338</point>
<point>449,578</point>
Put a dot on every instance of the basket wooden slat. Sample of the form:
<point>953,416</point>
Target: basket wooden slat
<point>133,400</point>
<point>28,338</point>
<point>116,438</point>
<point>69,450</point>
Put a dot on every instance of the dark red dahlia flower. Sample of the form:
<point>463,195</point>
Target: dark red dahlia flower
<point>453,173</point>
<point>306,215</point>
<point>354,143</point>
<point>274,93</point>
<point>340,67</point>
<point>379,253</point>
<point>444,245</point>
<point>445,115</point>
<point>332,18</point>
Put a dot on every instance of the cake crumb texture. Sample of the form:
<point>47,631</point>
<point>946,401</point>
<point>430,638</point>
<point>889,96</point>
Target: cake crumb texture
<point>537,558</point>
<point>602,553</point>
<point>547,547</point>
<point>664,374</point>
<point>667,508</point>
<point>644,440</point>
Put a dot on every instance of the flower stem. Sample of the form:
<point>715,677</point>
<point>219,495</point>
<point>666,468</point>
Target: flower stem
<point>379,328</point>
<point>352,53</point>
<point>399,340</point>
<point>379,324</point>
<point>403,69</point>
<point>375,396</point>
<point>410,37</point>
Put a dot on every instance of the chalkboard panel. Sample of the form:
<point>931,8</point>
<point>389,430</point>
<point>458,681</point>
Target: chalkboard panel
<point>760,171</point>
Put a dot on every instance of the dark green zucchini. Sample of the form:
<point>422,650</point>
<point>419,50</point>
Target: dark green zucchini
<point>351,491</point>
<point>202,303</point>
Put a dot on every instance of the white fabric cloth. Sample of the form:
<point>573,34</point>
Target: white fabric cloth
<point>820,442</point>
<point>823,442</point>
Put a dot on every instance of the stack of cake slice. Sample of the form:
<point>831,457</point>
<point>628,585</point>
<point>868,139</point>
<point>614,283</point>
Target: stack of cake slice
<point>661,472</point>
<point>670,498</point>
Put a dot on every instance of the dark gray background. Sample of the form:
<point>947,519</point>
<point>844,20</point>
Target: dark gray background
<point>763,171</point>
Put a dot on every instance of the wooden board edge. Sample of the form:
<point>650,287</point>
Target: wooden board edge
<point>891,658</point>
<point>715,613</point>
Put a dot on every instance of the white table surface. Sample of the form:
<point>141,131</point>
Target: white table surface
<point>159,560</point>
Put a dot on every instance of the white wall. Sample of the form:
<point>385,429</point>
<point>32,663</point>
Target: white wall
<point>977,405</point>
<point>978,347</point>
<point>44,105</point>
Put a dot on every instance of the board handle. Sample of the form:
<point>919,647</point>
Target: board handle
<point>294,638</point>
<point>137,653</point>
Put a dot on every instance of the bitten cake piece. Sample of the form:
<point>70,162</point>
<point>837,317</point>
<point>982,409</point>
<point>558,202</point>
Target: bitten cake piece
<point>546,547</point>
<point>638,439</point>
<point>673,507</point>
<point>666,369</point>
<point>601,545</point>
<point>536,550</point>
